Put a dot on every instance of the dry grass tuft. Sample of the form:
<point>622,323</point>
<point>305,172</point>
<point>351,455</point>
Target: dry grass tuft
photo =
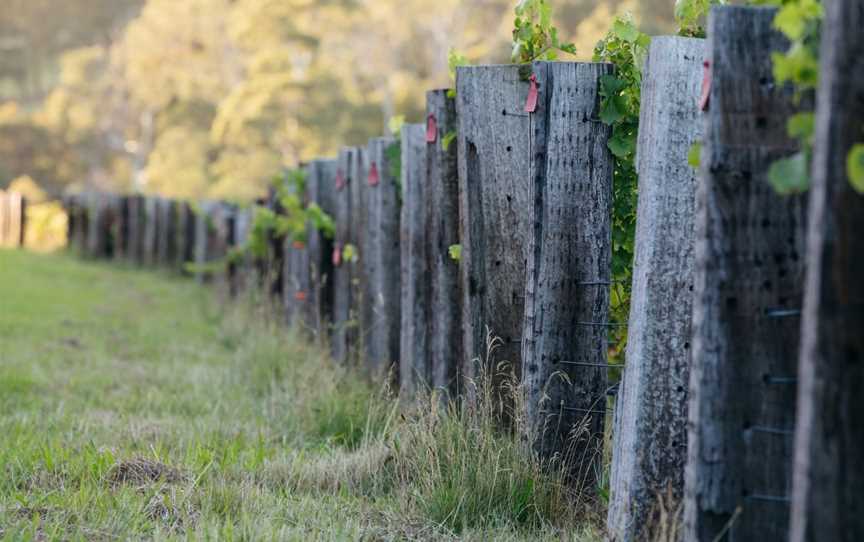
<point>142,471</point>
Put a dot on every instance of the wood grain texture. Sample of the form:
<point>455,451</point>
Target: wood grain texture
<point>320,189</point>
<point>569,252</point>
<point>186,233</point>
<point>382,263</point>
<point>122,228</point>
<point>165,243</point>
<point>494,151</point>
<point>829,440</point>
<point>135,241</point>
<point>444,341</point>
<point>415,374</point>
<point>650,435</point>
<point>749,268</point>
<point>342,290</point>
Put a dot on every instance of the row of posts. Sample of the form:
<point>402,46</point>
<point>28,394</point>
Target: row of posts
<point>719,399</point>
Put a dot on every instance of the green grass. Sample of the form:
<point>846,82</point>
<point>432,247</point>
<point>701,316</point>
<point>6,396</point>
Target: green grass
<point>135,404</point>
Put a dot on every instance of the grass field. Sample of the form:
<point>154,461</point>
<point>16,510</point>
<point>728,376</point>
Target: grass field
<point>134,404</point>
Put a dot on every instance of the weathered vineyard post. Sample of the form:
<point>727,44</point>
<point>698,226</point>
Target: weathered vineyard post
<point>239,269</point>
<point>829,439</point>
<point>151,224</point>
<point>135,239</point>
<point>95,219</point>
<point>361,270</point>
<point>381,247</point>
<point>415,374</point>
<point>564,337</point>
<point>342,288</point>
<point>121,229</point>
<point>444,340</point>
<point>203,226</point>
<point>747,296</point>
<point>650,435</point>
<point>494,151</point>
<point>185,235</point>
<point>167,231</point>
<point>319,302</point>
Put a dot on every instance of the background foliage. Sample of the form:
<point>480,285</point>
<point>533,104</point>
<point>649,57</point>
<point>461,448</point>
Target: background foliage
<point>212,98</point>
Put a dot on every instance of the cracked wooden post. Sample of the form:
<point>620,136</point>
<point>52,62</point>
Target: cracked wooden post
<point>319,300</point>
<point>121,243</point>
<point>240,269</point>
<point>564,338</point>
<point>748,284</point>
<point>94,223</point>
<point>494,146</point>
<point>415,374</point>
<point>361,270</point>
<point>135,240</point>
<point>382,268</point>
<point>444,340</point>
<point>650,434</point>
<point>185,236</point>
<point>829,440</point>
<point>342,288</point>
<point>203,227</point>
<point>149,240</point>
<point>166,244</point>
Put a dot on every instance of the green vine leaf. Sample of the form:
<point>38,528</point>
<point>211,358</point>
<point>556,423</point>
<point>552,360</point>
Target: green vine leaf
<point>790,175</point>
<point>855,167</point>
<point>534,37</point>
<point>694,155</point>
<point>447,139</point>
<point>455,252</point>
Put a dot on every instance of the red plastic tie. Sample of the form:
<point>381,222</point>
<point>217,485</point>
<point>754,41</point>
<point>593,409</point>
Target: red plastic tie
<point>299,245</point>
<point>337,255</point>
<point>374,178</point>
<point>706,86</point>
<point>531,102</point>
<point>300,296</point>
<point>431,128</point>
<point>340,180</point>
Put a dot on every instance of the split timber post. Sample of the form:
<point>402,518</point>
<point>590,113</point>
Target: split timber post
<point>494,151</point>
<point>564,339</point>
<point>747,295</point>
<point>361,270</point>
<point>202,237</point>
<point>167,231</point>
<point>829,439</point>
<point>415,374</point>
<point>382,257</point>
<point>342,289</point>
<point>295,279</point>
<point>68,201</point>
<point>121,229</point>
<point>444,338</point>
<point>185,235</point>
<point>135,239</point>
<point>650,435</point>
<point>319,297</point>
<point>151,220</point>
<point>95,231</point>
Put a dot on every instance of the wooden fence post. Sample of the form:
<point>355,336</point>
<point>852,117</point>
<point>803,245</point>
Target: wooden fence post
<point>202,235</point>
<point>564,338</point>
<point>4,217</point>
<point>494,146</point>
<point>121,228</point>
<point>167,231</point>
<point>96,230</point>
<point>150,217</point>
<point>444,338</point>
<point>319,297</point>
<point>415,373</point>
<point>747,295</point>
<point>382,257</point>
<point>361,270</point>
<point>650,435</point>
<point>134,241</point>
<point>342,288</point>
<point>829,439</point>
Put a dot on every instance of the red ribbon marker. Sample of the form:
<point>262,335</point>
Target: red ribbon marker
<point>374,179</point>
<point>531,102</point>
<point>299,245</point>
<point>431,128</point>
<point>706,86</point>
<point>337,255</point>
<point>340,180</point>
<point>300,296</point>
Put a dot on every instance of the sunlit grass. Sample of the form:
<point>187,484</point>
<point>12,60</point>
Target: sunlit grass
<point>135,404</point>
